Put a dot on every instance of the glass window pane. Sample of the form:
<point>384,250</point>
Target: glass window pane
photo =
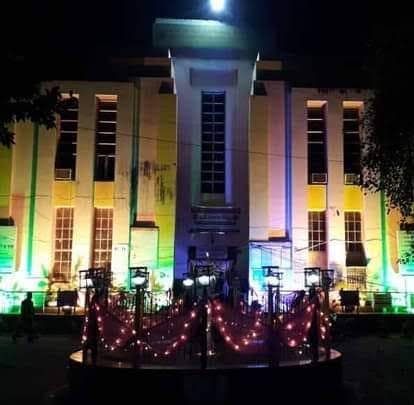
<point>213,145</point>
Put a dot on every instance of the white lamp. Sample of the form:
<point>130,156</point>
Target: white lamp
<point>217,5</point>
<point>204,280</point>
<point>139,280</point>
<point>272,281</point>
<point>313,278</point>
<point>188,282</point>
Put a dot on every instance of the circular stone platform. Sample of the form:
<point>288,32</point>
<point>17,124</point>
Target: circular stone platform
<point>119,381</point>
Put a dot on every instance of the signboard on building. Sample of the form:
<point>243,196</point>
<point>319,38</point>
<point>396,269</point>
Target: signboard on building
<point>144,247</point>
<point>406,252</point>
<point>145,253</point>
<point>201,34</point>
<point>7,248</point>
<point>119,264</point>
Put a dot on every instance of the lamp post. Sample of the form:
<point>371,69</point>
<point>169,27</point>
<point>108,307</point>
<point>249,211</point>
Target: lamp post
<point>313,281</point>
<point>204,276</point>
<point>98,279</point>
<point>273,279</point>
<point>327,281</point>
<point>189,285</point>
<point>139,277</point>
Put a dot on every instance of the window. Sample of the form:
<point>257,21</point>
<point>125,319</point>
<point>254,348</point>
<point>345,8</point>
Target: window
<point>102,247</point>
<point>316,131</point>
<point>65,163</point>
<point>356,278</point>
<point>63,244</point>
<point>213,120</point>
<point>352,141</point>
<point>105,138</point>
<point>317,230</point>
<point>353,231</point>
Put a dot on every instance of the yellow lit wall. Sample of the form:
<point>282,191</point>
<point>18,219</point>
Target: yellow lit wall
<point>104,194</point>
<point>165,200</point>
<point>317,202</point>
<point>259,160</point>
<point>5,179</point>
<point>20,189</point>
<point>316,197</point>
<point>353,198</point>
<point>393,226</point>
<point>64,193</point>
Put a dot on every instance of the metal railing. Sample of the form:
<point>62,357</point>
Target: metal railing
<point>289,332</point>
<point>374,301</point>
<point>44,301</point>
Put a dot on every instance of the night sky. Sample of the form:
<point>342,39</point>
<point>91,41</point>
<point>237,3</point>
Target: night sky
<point>73,38</point>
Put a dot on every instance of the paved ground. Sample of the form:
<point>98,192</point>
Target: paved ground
<point>376,370</point>
<point>29,371</point>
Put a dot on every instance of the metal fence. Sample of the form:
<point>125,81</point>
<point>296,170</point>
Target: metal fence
<point>370,301</point>
<point>44,301</point>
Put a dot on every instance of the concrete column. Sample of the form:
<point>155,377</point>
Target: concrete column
<point>299,183</point>
<point>371,222</point>
<point>258,162</point>
<point>84,212</point>
<point>148,132</point>
<point>6,161</point>
<point>335,190</point>
<point>121,203</point>
<point>20,189</point>
<point>44,209</point>
<point>277,159</point>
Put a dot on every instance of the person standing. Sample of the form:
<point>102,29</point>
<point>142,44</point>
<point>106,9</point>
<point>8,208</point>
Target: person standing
<point>25,323</point>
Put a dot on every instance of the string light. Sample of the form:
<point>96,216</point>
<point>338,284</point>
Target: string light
<point>295,330</point>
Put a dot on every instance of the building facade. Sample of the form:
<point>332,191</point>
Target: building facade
<point>203,156</point>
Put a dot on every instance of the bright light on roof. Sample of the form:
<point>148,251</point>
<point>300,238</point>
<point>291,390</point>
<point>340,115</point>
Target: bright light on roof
<point>217,5</point>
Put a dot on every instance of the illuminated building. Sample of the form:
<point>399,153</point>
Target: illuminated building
<point>205,155</point>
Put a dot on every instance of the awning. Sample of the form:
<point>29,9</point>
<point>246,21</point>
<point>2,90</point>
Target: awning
<point>356,258</point>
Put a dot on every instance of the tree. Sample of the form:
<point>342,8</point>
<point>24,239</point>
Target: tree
<point>388,159</point>
<point>23,99</point>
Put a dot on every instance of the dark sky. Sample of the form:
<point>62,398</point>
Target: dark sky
<point>77,34</point>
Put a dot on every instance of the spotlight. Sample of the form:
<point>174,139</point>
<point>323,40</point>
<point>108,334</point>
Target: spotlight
<point>217,5</point>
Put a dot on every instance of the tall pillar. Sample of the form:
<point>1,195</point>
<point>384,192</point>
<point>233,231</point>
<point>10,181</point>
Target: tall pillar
<point>20,190</point>
<point>277,159</point>
<point>83,213</point>
<point>299,183</point>
<point>121,203</point>
<point>335,189</point>
<point>44,211</point>
<point>258,168</point>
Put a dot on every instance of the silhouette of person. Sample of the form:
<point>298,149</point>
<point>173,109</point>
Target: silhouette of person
<point>298,301</point>
<point>25,323</point>
<point>226,289</point>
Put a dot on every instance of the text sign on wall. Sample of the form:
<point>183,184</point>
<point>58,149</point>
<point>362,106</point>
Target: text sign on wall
<point>144,247</point>
<point>7,248</point>
<point>405,248</point>
<point>119,264</point>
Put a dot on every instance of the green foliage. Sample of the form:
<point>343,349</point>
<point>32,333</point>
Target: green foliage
<point>23,99</point>
<point>388,160</point>
<point>156,287</point>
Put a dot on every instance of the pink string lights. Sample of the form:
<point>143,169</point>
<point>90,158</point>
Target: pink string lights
<point>242,331</point>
